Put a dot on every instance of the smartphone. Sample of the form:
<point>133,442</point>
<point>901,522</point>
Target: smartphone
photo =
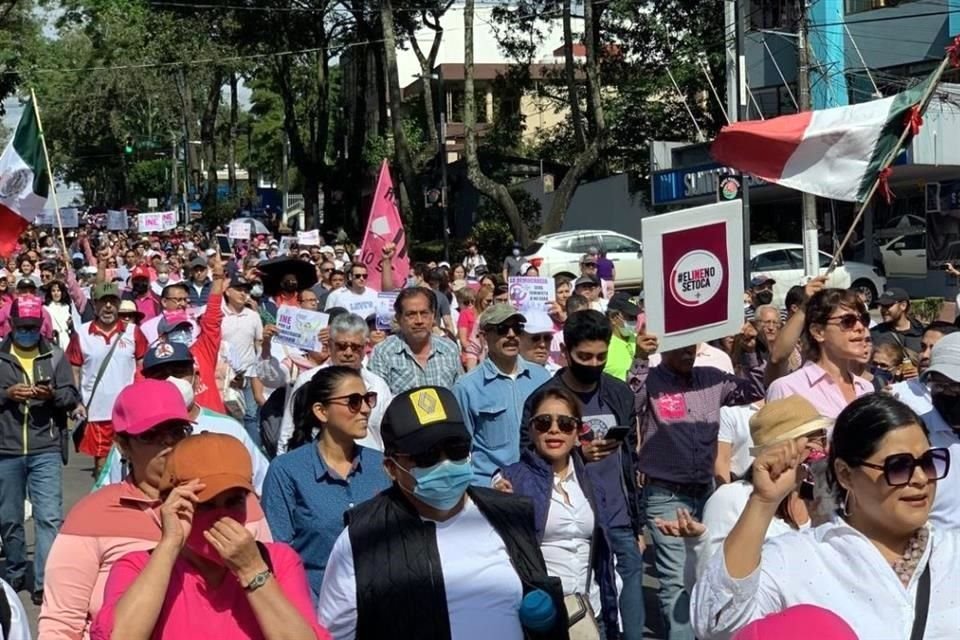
<point>617,433</point>
<point>224,243</point>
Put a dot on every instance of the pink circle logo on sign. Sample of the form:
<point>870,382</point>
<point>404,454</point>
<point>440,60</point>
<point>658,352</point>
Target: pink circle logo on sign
<point>696,278</point>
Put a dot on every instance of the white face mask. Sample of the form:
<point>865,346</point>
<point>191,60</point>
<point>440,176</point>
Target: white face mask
<point>163,278</point>
<point>185,387</point>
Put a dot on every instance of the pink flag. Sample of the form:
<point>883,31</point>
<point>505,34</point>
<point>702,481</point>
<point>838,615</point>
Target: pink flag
<point>385,226</point>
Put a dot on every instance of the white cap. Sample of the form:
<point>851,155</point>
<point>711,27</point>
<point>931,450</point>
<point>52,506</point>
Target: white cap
<point>538,322</point>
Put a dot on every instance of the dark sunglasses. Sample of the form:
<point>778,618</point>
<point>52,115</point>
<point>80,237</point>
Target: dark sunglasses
<point>544,422</point>
<point>848,321</point>
<point>349,346</point>
<point>359,275</point>
<point>454,450</point>
<point>898,468</point>
<point>507,327</point>
<point>540,337</point>
<point>355,400</point>
<point>168,436</point>
<point>589,264</point>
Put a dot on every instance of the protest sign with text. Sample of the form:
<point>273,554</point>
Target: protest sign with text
<point>310,238</point>
<point>239,230</point>
<point>529,294</point>
<point>149,222</point>
<point>385,310</point>
<point>693,274</point>
<point>116,220</point>
<point>299,328</point>
<point>384,226</point>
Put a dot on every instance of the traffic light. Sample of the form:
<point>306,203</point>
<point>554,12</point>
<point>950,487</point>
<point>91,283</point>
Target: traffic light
<point>128,145</point>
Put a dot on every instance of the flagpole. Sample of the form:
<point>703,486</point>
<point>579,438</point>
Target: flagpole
<point>888,160</point>
<point>53,182</point>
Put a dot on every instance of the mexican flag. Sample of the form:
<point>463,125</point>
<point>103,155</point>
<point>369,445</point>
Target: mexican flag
<point>24,181</point>
<point>833,153</point>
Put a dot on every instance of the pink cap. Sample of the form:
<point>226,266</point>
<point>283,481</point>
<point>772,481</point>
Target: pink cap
<point>27,310</point>
<point>800,622</point>
<point>143,405</point>
<point>140,271</point>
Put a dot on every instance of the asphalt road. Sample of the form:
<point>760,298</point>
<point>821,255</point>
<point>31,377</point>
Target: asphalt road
<point>77,481</point>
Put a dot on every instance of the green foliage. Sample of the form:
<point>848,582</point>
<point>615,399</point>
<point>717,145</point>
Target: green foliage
<point>492,232</point>
<point>149,179</point>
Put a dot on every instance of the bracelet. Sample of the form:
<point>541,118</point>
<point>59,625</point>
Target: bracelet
<point>258,581</point>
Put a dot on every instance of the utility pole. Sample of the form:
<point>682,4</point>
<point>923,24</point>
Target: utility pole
<point>811,246</point>
<point>442,158</point>
<point>174,183</point>
<point>741,15</point>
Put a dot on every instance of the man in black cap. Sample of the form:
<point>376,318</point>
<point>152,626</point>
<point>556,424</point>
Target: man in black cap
<point>898,326</point>
<point>198,288</point>
<point>588,286</point>
<point>622,313</point>
<point>433,557</point>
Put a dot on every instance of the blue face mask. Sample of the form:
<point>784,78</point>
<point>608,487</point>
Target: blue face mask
<point>26,337</point>
<point>442,486</point>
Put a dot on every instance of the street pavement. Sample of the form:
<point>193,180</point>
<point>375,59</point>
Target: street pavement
<point>77,481</point>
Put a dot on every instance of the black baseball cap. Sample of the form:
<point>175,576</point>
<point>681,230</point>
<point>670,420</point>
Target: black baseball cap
<point>166,353</point>
<point>421,418</point>
<point>621,302</point>
<point>239,282</point>
<point>893,295</point>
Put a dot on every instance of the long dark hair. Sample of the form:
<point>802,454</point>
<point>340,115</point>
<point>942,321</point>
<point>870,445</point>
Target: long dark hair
<point>859,430</point>
<point>321,388</point>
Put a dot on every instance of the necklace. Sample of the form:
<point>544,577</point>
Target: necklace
<point>906,565</point>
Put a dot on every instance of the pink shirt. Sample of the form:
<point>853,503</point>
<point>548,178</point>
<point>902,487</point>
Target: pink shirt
<point>813,383</point>
<point>192,610</point>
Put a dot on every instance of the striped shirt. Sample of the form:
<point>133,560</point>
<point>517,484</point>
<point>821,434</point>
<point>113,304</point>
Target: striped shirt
<point>394,361</point>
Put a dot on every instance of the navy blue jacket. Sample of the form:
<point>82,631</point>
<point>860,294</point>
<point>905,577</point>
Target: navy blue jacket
<point>532,478</point>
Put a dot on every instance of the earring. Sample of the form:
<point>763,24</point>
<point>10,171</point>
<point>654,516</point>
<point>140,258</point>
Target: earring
<point>845,507</point>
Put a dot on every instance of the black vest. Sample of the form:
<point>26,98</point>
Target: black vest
<point>400,590</point>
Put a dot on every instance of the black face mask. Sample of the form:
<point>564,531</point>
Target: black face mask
<point>140,287</point>
<point>949,409</point>
<point>585,373</point>
<point>763,297</point>
<point>289,286</point>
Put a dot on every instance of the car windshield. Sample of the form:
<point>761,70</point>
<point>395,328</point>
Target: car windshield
<point>533,248</point>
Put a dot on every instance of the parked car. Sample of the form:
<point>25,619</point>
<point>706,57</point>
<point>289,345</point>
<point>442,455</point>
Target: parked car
<point>784,263</point>
<point>900,247</point>
<point>559,254</point>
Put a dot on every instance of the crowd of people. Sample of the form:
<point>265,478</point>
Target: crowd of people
<point>464,471</point>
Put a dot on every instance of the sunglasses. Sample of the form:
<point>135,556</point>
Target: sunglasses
<point>848,321</point>
<point>592,265</point>
<point>898,468</point>
<point>504,329</point>
<point>348,346</point>
<point>355,400</point>
<point>455,450</point>
<point>540,337</point>
<point>359,276</point>
<point>544,422</point>
<point>167,436</point>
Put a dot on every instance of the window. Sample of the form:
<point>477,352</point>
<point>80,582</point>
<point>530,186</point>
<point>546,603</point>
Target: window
<point>776,260</point>
<point>913,241</point>
<point>856,6</point>
<point>581,244</point>
<point>772,14</point>
<point>619,244</point>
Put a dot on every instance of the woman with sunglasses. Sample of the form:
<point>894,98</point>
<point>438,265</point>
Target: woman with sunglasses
<point>835,327</point>
<point>120,517</point>
<point>308,489</point>
<point>553,474</point>
<point>880,566</point>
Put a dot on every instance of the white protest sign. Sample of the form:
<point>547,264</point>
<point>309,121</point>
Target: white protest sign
<point>285,243</point>
<point>385,310</point>
<point>693,274</point>
<point>239,230</point>
<point>149,222</point>
<point>116,220</point>
<point>46,217</point>
<point>530,294</point>
<point>169,220</point>
<point>299,327</point>
<point>70,217</point>
<point>152,203</point>
<point>309,237</point>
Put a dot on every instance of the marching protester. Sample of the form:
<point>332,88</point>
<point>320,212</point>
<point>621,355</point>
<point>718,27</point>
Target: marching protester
<point>120,517</point>
<point>207,575</point>
<point>57,304</point>
<point>433,556</point>
<point>884,474</point>
<point>309,488</point>
<point>38,393</point>
<point>242,329</point>
<point>898,325</point>
<point>174,298</point>
<point>622,313</point>
<point>915,393</point>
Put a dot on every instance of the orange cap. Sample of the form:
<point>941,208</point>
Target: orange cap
<point>219,461</point>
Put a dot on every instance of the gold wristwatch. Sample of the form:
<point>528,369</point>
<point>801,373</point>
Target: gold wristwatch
<point>258,581</point>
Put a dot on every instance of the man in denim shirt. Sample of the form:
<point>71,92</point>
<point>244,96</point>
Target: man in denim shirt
<point>491,396</point>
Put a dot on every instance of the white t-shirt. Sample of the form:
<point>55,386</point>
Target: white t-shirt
<point>19,623</point>
<point>362,304</point>
<point>735,430</point>
<point>483,589</point>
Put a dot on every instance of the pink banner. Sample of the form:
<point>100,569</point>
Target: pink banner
<point>385,226</point>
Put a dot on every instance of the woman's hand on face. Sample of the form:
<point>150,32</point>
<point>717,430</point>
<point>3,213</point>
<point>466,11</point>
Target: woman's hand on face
<point>236,546</point>
<point>176,513</point>
<point>775,470</point>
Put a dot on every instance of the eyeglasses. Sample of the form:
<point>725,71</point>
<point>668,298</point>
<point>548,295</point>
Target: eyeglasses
<point>451,450</point>
<point>354,401</point>
<point>589,265</point>
<point>348,346</point>
<point>166,437</point>
<point>182,301</point>
<point>848,321</point>
<point>326,270</point>
<point>359,276</point>
<point>543,423</point>
<point>507,327</point>
<point>899,467</point>
<point>540,337</point>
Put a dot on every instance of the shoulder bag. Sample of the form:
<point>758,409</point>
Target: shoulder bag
<point>82,425</point>
<point>582,617</point>
<point>922,606</point>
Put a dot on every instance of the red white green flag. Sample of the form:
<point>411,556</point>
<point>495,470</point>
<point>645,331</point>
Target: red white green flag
<point>24,182</point>
<point>834,153</point>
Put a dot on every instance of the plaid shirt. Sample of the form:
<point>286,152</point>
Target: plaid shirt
<point>393,361</point>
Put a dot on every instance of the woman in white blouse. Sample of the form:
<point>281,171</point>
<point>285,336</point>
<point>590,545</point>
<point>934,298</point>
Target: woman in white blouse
<point>553,475</point>
<point>58,305</point>
<point>866,565</point>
